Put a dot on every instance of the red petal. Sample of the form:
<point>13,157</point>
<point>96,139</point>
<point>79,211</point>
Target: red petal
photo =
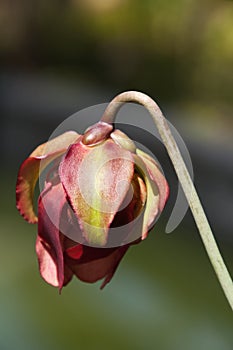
<point>31,168</point>
<point>96,180</point>
<point>97,263</point>
<point>49,246</point>
<point>75,252</point>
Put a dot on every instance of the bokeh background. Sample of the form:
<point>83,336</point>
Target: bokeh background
<point>57,57</point>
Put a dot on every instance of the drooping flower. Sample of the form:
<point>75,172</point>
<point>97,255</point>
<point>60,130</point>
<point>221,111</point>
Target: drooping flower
<point>101,195</point>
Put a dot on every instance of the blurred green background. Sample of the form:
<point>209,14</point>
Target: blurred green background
<point>57,57</point>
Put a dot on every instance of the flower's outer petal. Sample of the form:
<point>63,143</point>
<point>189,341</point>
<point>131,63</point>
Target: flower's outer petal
<point>49,246</point>
<point>157,176</point>
<point>95,263</point>
<point>96,180</point>
<point>157,189</point>
<point>31,168</point>
<point>123,140</point>
<point>47,263</point>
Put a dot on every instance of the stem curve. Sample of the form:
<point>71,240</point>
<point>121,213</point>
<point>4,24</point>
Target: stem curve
<point>184,178</point>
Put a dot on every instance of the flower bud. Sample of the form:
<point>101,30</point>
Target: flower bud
<point>102,193</point>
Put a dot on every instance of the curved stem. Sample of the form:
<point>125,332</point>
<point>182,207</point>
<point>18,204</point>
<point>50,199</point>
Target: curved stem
<point>184,178</point>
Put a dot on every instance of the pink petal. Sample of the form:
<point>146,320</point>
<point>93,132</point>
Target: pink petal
<point>47,263</point>
<point>31,168</point>
<point>49,246</point>
<point>96,180</point>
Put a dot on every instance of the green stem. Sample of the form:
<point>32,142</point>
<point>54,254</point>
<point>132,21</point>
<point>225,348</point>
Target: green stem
<point>184,178</point>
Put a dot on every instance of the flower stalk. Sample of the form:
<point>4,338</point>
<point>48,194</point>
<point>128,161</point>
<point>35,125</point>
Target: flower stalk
<point>184,178</point>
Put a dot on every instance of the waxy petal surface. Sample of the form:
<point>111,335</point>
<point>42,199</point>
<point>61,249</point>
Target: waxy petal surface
<point>157,176</point>
<point>49,246</point>
<point>96,180</point>
<point>157,189</point>
<point>32,167</point>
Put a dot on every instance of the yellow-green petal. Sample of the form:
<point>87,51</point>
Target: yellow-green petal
<point>157,189</point>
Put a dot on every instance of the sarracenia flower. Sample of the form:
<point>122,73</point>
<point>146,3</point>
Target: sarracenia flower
<point>101,194</point>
